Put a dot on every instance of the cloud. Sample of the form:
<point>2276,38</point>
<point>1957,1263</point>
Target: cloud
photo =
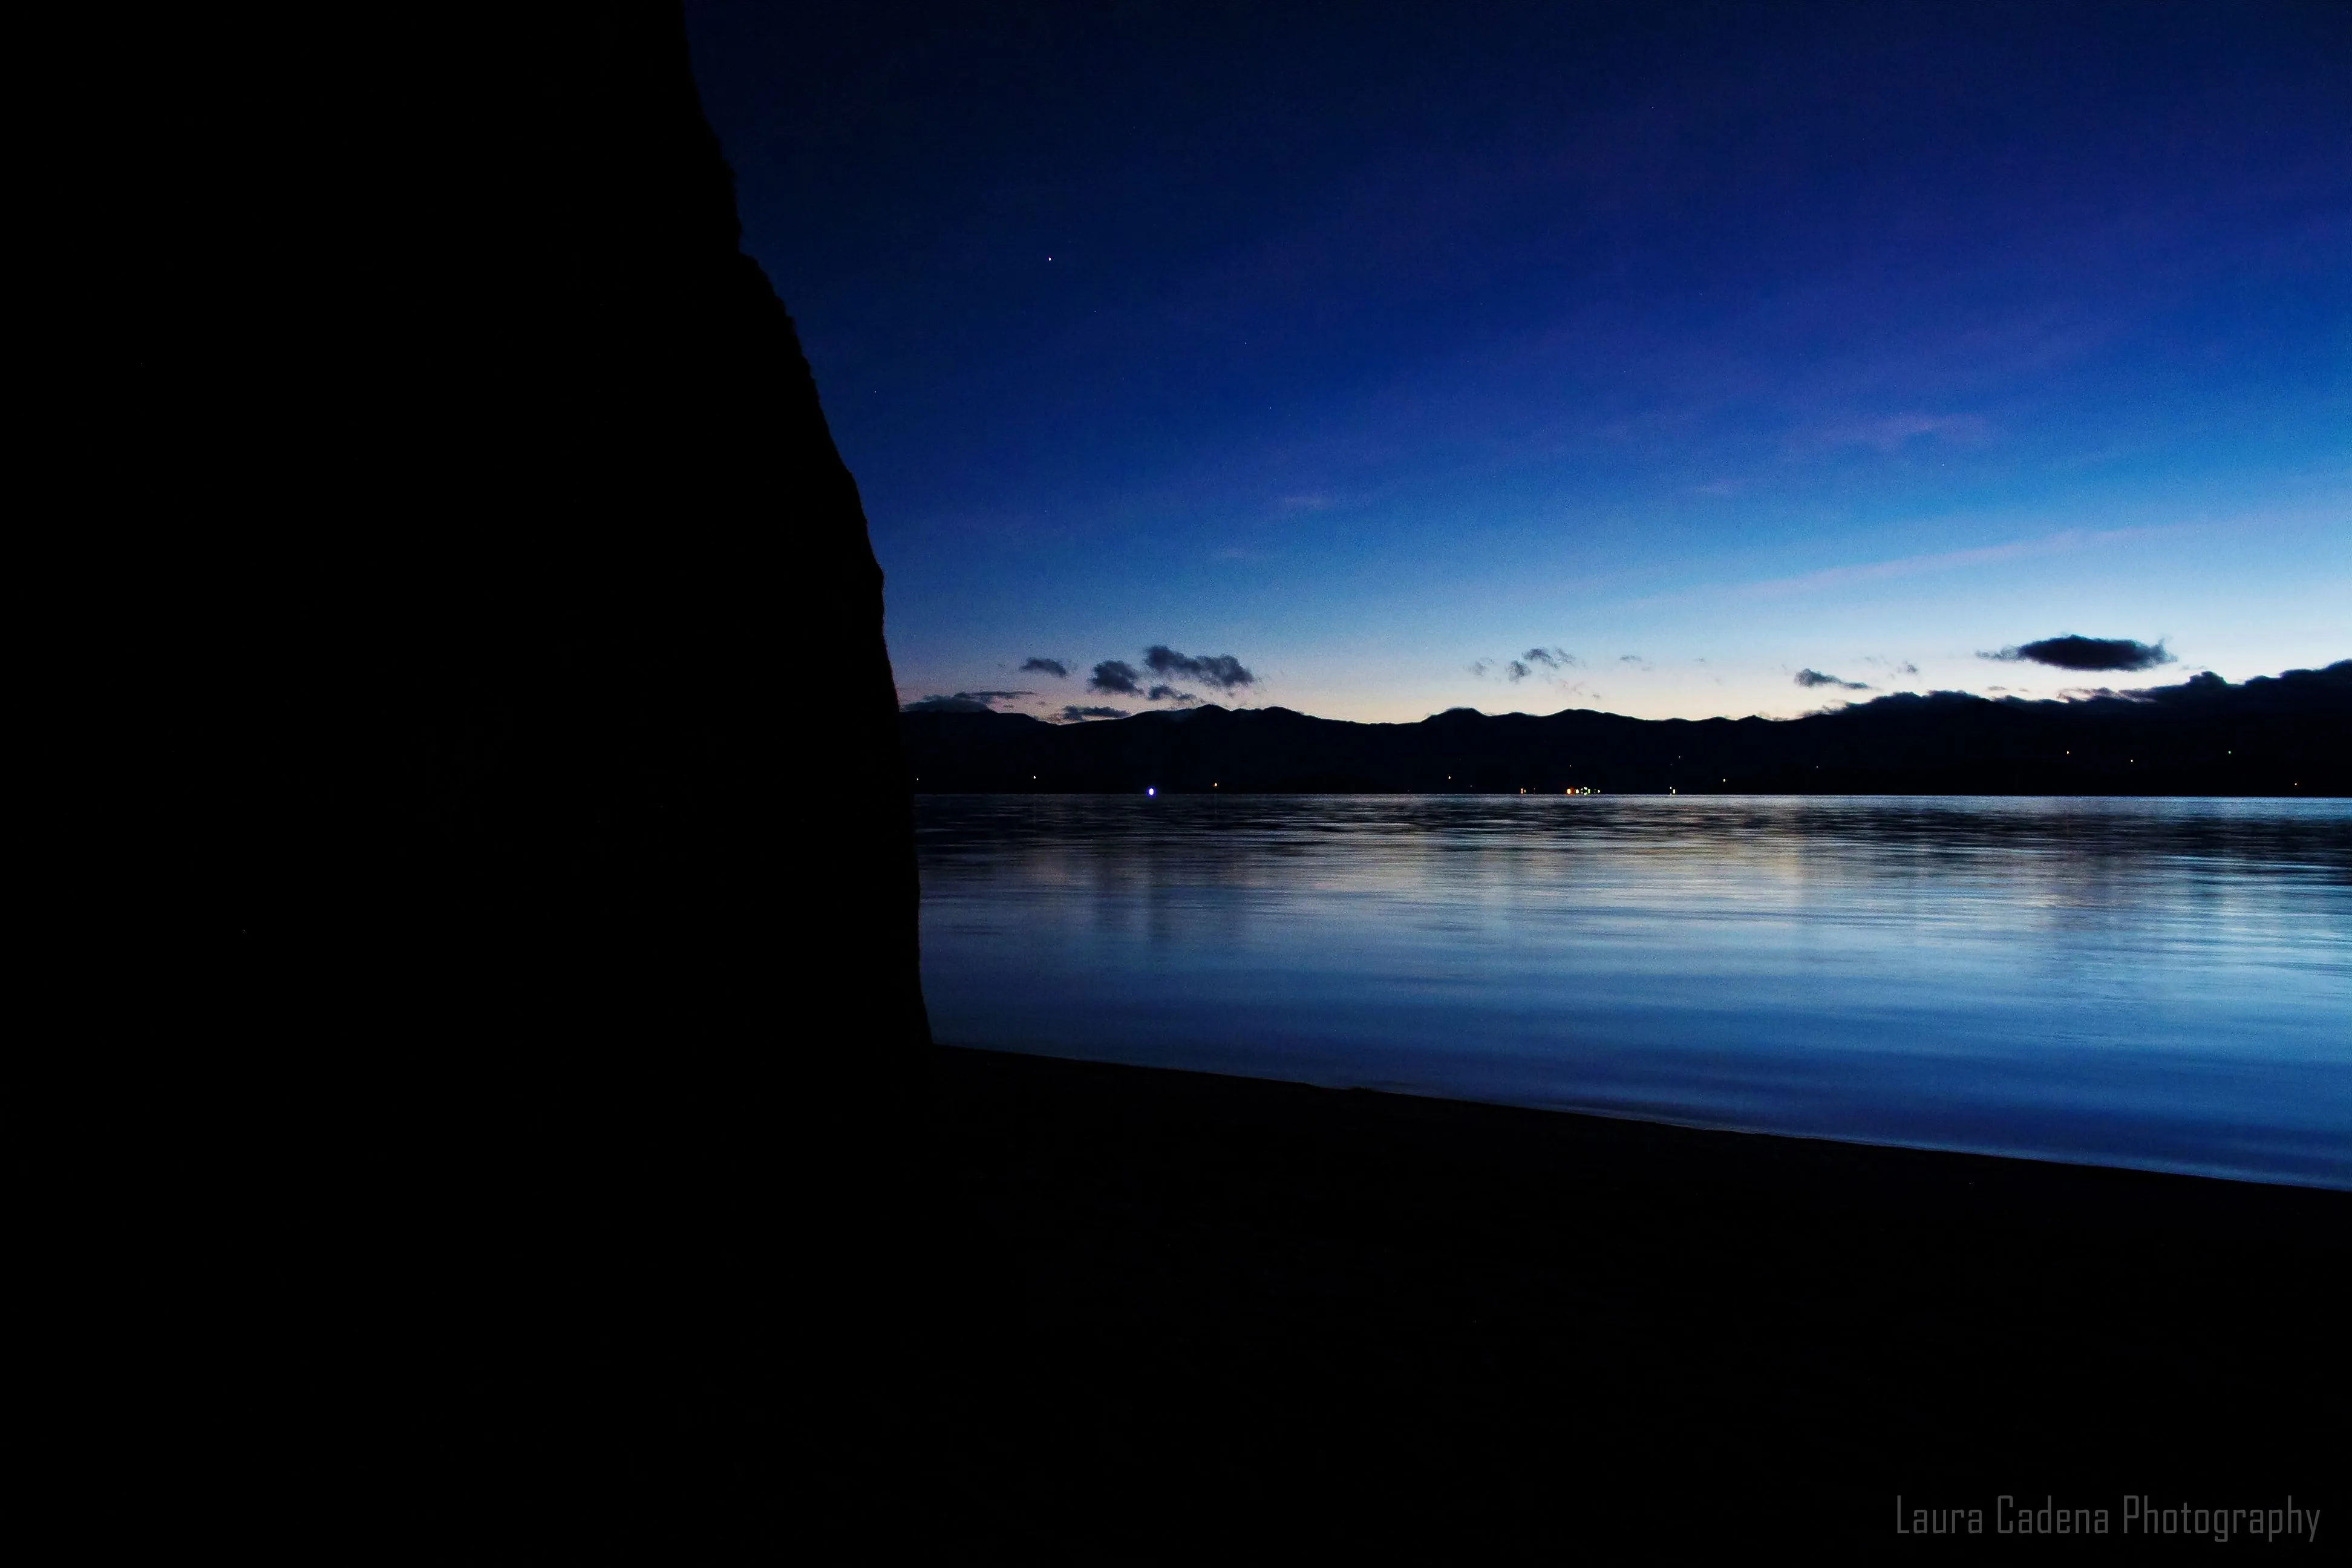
<point>1170,694</point>
<point>1552,658</point>
<point>962,702</point>
<point>1053,667</point>
<point>2072,652</point>
<point>1479,667</point>
<point>1222,670</point>
<point>1116,676</point>
<point>1074,714</point>
<point>1636,659</point>
<point>1811,677</point>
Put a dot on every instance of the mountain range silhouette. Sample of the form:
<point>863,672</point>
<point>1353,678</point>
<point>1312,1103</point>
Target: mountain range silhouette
<point>2289,735</point>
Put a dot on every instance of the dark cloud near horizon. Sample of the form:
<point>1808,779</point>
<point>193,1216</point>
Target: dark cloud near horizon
<point>1116,675</point>
<point>1170,694</point>
<point>1812,678</point>
<point>1053,667</point>
<point>2072,652</point>
<point>1553,659</point>
<point>1074,714</point>
<point>961,702</point>
<point>1222,670</point>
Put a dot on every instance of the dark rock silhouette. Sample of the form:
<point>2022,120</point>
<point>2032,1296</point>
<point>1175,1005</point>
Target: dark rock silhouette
<point>575,1001</point>
<point>2287,735</point>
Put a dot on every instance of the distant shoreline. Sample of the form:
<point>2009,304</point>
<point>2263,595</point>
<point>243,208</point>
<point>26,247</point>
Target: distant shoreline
<point>2287,737</point>
<point>1664,794</point>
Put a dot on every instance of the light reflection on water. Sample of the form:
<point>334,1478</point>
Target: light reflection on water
<point>2149,983</point>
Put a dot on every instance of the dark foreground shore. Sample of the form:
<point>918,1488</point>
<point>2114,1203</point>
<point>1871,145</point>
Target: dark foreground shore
<point>1186,1315</point>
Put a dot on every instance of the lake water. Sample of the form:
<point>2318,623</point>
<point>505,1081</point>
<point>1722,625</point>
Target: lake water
<point>2163,983</point>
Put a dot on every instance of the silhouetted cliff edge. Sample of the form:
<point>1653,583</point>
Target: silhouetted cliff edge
<point>571,1016</point>
<point>2291,735</point>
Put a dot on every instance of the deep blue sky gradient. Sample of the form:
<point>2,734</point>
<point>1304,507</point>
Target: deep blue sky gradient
<point>1708,343</point>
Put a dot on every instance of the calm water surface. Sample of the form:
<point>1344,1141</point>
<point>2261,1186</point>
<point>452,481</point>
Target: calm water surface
<point>2156,984</point>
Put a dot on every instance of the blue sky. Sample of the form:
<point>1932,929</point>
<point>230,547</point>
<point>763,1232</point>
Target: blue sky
<point>1706,344</point>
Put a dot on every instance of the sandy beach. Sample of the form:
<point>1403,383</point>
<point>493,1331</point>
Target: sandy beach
<point>1186,1313</point>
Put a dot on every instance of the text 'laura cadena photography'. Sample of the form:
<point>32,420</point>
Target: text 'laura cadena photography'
<point>2135,1513</point>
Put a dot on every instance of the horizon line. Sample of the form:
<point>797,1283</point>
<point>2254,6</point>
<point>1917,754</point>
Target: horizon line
<point>2068,695</point>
